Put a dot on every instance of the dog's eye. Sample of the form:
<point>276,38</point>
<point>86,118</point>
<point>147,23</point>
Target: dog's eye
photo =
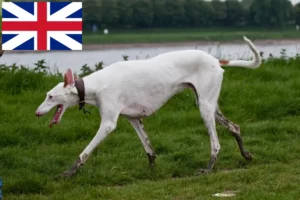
<point>50,97</point>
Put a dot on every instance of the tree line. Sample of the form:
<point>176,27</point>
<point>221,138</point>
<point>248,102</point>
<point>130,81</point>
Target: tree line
<point>189,13</point>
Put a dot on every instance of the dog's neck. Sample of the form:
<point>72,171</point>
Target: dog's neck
<point>79,84</point>
<point>85,92</point>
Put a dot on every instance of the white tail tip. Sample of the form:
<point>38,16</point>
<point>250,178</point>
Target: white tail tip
<point>246,39</point>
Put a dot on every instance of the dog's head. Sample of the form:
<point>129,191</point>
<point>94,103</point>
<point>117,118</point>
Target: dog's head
<point>62,96</point>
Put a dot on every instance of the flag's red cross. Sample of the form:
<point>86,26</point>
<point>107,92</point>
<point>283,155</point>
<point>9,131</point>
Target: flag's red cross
<point>42,26</point>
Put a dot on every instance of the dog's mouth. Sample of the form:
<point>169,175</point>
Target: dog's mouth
<point>57,115</point>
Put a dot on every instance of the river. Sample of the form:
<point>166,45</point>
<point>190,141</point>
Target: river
<point>76,59</point>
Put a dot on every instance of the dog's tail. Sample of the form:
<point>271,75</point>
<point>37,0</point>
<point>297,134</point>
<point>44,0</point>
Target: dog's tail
<point>243,63</point>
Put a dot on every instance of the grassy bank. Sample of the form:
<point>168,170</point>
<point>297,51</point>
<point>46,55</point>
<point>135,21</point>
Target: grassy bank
<point>265,102</point>
<point>186,35</point>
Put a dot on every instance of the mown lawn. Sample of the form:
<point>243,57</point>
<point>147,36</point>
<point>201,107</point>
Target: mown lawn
<point>265,102</point>
<point>186,35</point>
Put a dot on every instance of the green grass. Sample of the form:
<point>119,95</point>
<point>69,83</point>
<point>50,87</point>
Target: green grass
<point>186,35</point>
<point>265,102</point>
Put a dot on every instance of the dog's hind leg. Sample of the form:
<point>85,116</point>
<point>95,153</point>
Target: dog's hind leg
<point>208,97</point>
<point>108,124</point>
<point>235,130</point>
<point>207,110</point>
<point>139,128</point>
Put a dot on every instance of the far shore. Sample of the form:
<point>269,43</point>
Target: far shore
<point>102,47</point>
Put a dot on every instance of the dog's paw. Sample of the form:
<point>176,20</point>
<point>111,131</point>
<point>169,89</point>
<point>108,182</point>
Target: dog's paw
<point>67,174</point>
<point>248,156</point>
<point>151,159</point>
<point>72,171</point>
<point>203,172</point>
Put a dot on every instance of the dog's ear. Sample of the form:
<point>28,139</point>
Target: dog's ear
<point>74,89</point>
<point>69,78</point>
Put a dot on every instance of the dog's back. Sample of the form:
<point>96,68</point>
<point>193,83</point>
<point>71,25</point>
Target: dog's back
<point>183,62</point>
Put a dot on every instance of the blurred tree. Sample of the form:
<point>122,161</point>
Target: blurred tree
<point>158,11</point>
<point>260,12</point>
<point>297,13</point>
<point>193,12</point>
<point>246,4</point>
<point>142,13</point>
<point>187,13</point>
<point>235,13</point>
<point>281,13</point>
<point>220,12</point>
<point>91,15</point>
<point>271,13</point>
<point>289,13</point>
<point>109,13</point>
<point>207,13</point>
<point>175,13</point>
<point>125,13</point>
<point>199,13</point>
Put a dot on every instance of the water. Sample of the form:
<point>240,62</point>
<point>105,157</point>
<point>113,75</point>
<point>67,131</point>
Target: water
<point>76,59</point>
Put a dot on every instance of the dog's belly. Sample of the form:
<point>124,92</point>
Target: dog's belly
<point>137,111</point>
<point>147,102</point>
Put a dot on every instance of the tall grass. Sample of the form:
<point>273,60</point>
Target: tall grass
<point>265,102</point>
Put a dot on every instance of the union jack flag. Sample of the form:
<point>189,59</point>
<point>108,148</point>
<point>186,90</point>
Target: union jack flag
<point>42,26</point>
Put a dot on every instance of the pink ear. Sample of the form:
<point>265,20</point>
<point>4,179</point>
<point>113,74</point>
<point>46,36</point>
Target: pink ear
<point>69,78</point>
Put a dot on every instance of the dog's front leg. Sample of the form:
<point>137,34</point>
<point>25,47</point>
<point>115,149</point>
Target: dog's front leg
<point>108,124</point>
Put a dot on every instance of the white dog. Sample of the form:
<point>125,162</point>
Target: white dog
<point>136,89</point>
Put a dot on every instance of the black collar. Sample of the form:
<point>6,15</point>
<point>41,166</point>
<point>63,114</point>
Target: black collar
<point>79,84</point>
